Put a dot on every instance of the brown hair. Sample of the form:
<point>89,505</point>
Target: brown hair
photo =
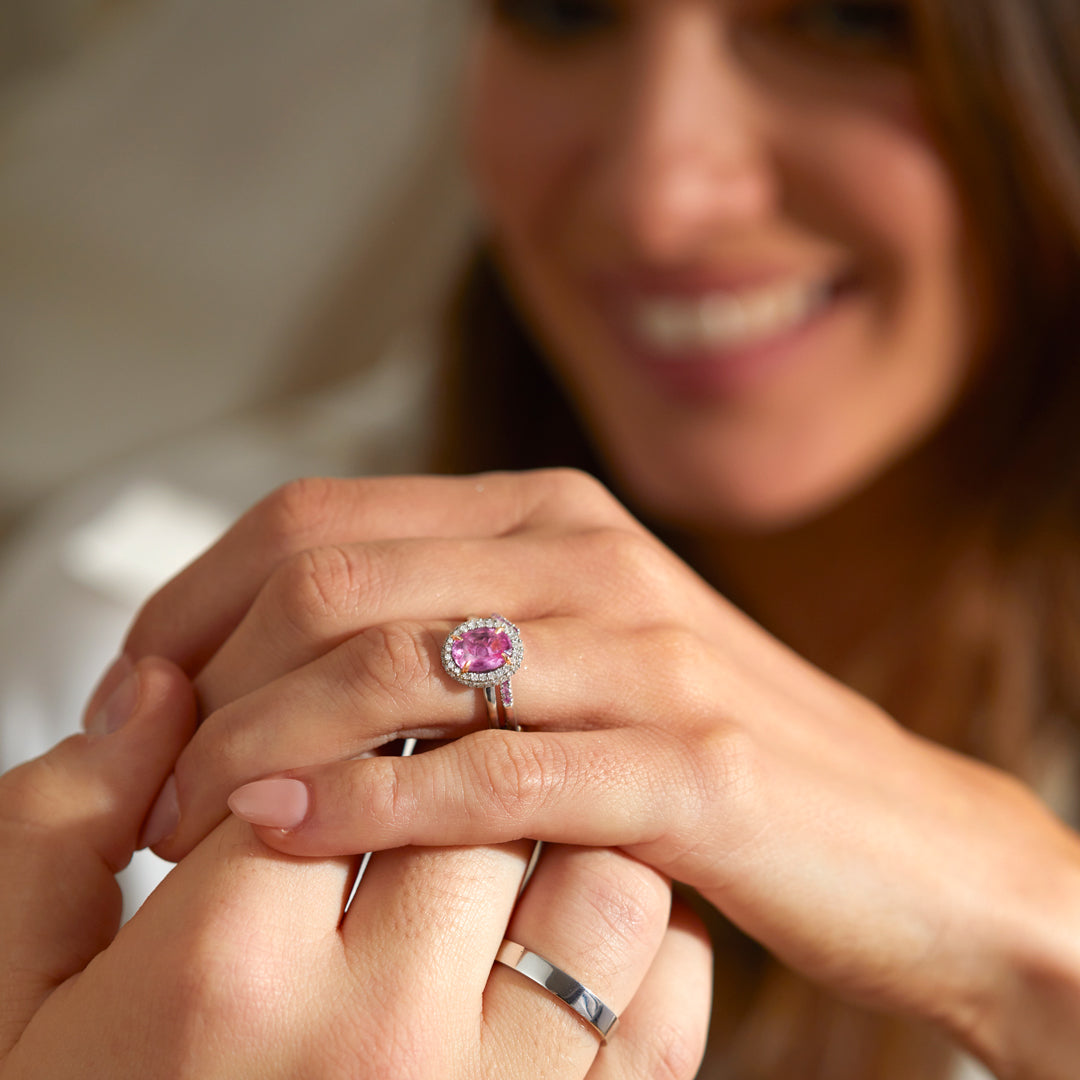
<point>994,646</point>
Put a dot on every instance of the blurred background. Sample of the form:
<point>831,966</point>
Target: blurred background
<point>225,228</point>
<point>209,208</point>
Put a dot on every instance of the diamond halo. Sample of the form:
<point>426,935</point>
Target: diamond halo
<point>469,640</point>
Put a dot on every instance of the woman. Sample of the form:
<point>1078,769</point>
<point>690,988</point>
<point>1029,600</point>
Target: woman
<point>802,274</point>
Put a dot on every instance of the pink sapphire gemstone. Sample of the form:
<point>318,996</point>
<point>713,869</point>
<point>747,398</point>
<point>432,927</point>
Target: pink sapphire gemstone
<point>481,650</point>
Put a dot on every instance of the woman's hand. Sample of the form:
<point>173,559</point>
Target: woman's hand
<point>662,721</point>
<point>241,963</point>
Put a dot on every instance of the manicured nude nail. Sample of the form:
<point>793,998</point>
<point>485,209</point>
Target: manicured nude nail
<point>164,816</point>
<point>117,710</point>
<point>281,804</point>
<point>118,673</point>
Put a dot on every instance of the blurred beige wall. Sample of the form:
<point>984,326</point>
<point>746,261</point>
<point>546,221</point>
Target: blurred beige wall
<point>189,190</point>
<point>35,34</point>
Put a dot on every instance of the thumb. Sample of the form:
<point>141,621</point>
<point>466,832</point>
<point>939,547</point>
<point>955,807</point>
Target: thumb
<point>69,821</point>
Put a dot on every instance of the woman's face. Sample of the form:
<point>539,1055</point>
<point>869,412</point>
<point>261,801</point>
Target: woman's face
<point>728,225</point>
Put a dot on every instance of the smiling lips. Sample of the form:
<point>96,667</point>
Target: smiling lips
<point>676,328</point>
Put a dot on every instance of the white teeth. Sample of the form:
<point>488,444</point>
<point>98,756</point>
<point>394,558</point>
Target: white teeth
<point>679,325</point>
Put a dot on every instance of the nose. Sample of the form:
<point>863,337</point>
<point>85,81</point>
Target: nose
<point>685,156</point>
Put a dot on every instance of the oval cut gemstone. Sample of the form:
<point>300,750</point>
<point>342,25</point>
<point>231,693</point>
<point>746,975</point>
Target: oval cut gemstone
<point>481,650</point>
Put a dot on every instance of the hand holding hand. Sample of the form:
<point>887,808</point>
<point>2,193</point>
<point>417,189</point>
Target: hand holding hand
<point>662,722</point>
<point>241,963</point>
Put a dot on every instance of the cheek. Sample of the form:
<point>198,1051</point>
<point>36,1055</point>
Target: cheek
<point>925,315</point>
<point>876,181</point>
<point>525,134</point>
<point>883,189</point>
<point>509,143</point>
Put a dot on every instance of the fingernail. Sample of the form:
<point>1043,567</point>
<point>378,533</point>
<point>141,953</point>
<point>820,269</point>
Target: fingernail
<point>281,804</point>
<point>118,673</point>
<point>118,708</point>
<point>164,816</point>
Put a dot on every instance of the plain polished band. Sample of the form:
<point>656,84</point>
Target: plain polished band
<point>565,987</point>
<point>491,701</point>
<point>493,696</point>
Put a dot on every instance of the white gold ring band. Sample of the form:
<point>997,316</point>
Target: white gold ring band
<point>562,986</point>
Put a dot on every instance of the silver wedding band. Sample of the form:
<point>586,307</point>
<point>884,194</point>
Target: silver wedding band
<point>556,982</point>
<point>494,696</point>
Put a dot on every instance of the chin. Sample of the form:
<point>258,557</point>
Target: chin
<point>749,501</point>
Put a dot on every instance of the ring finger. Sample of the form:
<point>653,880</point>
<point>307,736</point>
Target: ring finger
<point>603,918</point>
<point>388,682</point>
<point>321,598</point>
<point>598,915</point>
<point>664,1030</point>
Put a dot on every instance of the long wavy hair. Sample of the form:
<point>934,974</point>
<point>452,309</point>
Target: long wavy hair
<point>988,660</point>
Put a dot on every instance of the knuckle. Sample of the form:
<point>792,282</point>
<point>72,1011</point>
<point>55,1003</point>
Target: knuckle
<point>625,902</point>
<point>224,964</point>
<point>294,513</point>
<point>729,762</point>
<point>685,654</point>
<point>212,978</point>
<point>688,663</point>
<point>575,483</point>
<point>518,774</point>
<point>316,588</point>
<point>637,567</point>
<point>722,781</point>
<point>566,487</point>
<point>225,751</point>
<point>624,549</point>
<point>383,799</point>
<point>393,658</point>
<point>674,1052</point>
<point>194,986</point>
